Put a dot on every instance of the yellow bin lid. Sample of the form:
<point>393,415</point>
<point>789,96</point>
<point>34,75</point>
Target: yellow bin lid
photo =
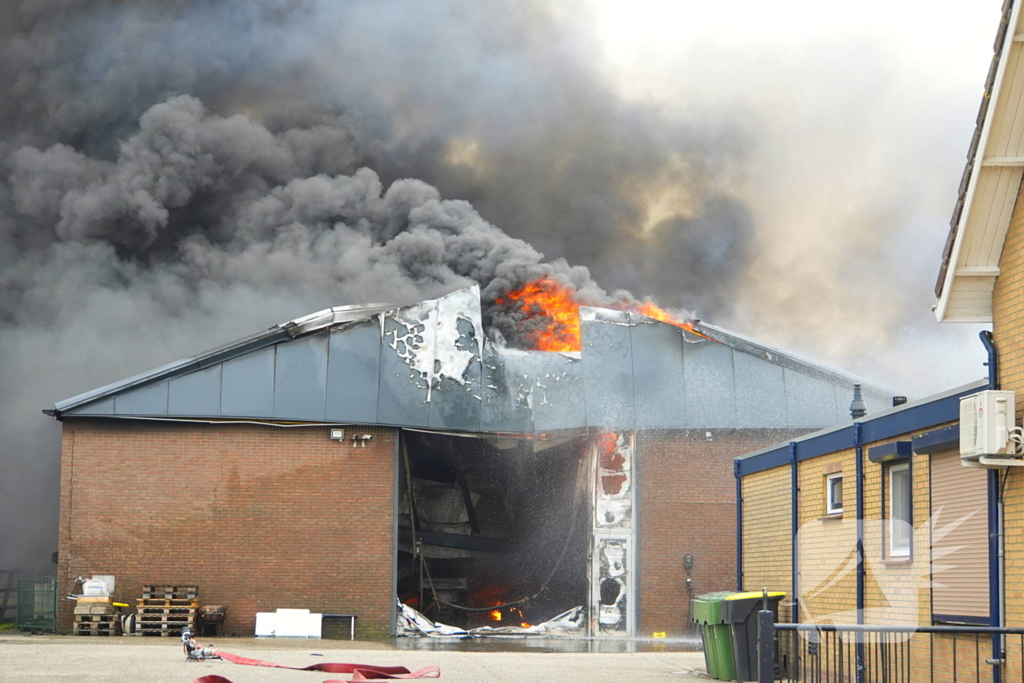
<point>755,594</point>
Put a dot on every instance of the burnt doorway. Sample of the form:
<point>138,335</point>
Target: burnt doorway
<point>492,531</point>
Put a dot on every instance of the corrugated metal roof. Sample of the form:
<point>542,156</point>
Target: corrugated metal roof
<point>429,366</point>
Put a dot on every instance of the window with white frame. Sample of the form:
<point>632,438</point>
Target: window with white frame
<point>900,520</point>
<point>834,494</point>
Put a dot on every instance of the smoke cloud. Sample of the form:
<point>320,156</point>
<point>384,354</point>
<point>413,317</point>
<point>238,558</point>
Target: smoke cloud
<point>175,175</point>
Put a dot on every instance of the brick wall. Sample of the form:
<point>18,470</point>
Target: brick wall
<point>1008,307</point>
<point>1008,334</point>
<point>767,542</point>
<point>895,591</point>
<point>258,517</point>
<point>687,504</point>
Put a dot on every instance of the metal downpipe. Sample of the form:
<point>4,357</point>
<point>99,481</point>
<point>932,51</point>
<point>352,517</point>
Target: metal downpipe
<point>739,524</point>
<point>859,474</point>
<point>995,524</point>
<point>794,497</point>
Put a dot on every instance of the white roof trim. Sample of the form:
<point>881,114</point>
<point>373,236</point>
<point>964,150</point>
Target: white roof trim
<point>974,302</point>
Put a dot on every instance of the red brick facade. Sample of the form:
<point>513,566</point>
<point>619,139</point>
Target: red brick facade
<point>687,504</point>
<point>258,517</point>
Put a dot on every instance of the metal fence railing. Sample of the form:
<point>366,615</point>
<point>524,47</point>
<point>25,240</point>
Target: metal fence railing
<point>37,605</point>
<point>819,653</point>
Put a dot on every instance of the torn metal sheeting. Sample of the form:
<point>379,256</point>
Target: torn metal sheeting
<point>429,366</point>
<point>412,623</point>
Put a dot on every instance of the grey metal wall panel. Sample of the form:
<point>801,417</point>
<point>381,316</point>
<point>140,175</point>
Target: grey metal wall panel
<point>406,361</point>
<point>558,397</point>
<point>607,369</point>
<point>197,394</point>
<point>353,373</point>
<point>104,407</point>
<point>247,385</point>
<point>876,402</point>
<point>455,401</point>
<point>300,378</point>
<point>760,387</point>
<point>710,387</point>
<point>810,402</point>
<point>658,378</point>
<point>507,391</point>
<point>149,400</point>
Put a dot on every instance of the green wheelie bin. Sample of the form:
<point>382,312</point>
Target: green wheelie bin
<point>739,611</point>
<point>708,612</point>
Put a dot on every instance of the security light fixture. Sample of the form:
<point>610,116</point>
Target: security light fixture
<point>337,434</point>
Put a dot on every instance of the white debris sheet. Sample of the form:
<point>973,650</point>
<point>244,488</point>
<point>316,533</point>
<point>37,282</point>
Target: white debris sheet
<point>412,623</point>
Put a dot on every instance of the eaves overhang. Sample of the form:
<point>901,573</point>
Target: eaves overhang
<point>989,185</point>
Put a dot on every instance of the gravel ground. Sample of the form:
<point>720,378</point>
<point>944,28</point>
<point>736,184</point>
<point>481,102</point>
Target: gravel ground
<point>148,660</point>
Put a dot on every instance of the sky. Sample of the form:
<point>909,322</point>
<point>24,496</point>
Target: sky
<point>863,112</point>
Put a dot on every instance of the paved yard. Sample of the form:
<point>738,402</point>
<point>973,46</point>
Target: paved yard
<point>73,659</point>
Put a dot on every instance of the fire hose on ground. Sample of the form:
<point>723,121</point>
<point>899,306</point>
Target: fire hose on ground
<point>360,672</point>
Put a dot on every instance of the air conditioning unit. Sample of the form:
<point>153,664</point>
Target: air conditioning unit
<point>986,426</point>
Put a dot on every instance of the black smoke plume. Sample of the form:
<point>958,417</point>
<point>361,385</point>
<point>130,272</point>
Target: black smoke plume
<point>174,175</point>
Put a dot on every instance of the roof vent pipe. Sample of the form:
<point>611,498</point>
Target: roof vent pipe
<point>857,408</point>
<point>898,400</point>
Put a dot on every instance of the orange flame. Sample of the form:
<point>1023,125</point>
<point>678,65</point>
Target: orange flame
<point>495,615</point>
<point>524,624</point>
<point>550,298</point>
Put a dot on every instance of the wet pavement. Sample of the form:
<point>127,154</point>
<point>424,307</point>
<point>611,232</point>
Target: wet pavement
<point>560,644</point>
<point>128,659</point>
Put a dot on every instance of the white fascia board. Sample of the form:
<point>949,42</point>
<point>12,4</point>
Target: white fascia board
<point>942,304</point>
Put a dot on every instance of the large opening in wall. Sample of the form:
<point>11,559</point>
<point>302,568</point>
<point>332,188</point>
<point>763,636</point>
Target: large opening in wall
<point>484,522</point>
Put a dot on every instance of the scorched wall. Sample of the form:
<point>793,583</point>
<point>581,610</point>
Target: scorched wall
<point>258,517</point>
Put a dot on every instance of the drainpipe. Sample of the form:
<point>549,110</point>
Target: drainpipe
<point>993,359</point>
<point>995,525</point>
<point>794,516</point>
<point>859,474</point>
<point>739,524</point>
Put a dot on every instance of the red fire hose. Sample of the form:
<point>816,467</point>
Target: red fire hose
<point>360,672</point>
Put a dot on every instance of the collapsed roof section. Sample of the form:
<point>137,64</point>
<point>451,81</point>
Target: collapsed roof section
<point>429,366</point>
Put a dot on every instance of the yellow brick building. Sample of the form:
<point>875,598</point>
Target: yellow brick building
<point>957,569</point>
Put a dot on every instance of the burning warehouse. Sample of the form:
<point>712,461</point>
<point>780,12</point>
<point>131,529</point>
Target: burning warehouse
<point>366,453</point>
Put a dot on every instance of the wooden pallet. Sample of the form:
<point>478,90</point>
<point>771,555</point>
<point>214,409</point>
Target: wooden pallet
<point>167,609</point>
<point>92,618</point>
<point>97,609</point>
<point>106,631</point>
<point>164,602</point>
<point>97,625</point>
<point>169,592</point>
<point>173,627</point>
<point>179,619</point>
<point>158,632</point>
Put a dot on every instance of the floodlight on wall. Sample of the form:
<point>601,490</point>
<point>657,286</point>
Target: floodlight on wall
<point>337,434</point>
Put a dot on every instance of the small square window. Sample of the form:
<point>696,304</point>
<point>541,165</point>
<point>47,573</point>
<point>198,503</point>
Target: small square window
<point>834,494</point>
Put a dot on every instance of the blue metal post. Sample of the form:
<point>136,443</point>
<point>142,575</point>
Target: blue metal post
<point>794,495</point>
<point>859,474</point>
<point>995,587</point>
<point>739,524</point>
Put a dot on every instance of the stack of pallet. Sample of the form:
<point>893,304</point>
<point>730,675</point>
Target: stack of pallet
<point>164,610</point>
<point>96,616</point>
